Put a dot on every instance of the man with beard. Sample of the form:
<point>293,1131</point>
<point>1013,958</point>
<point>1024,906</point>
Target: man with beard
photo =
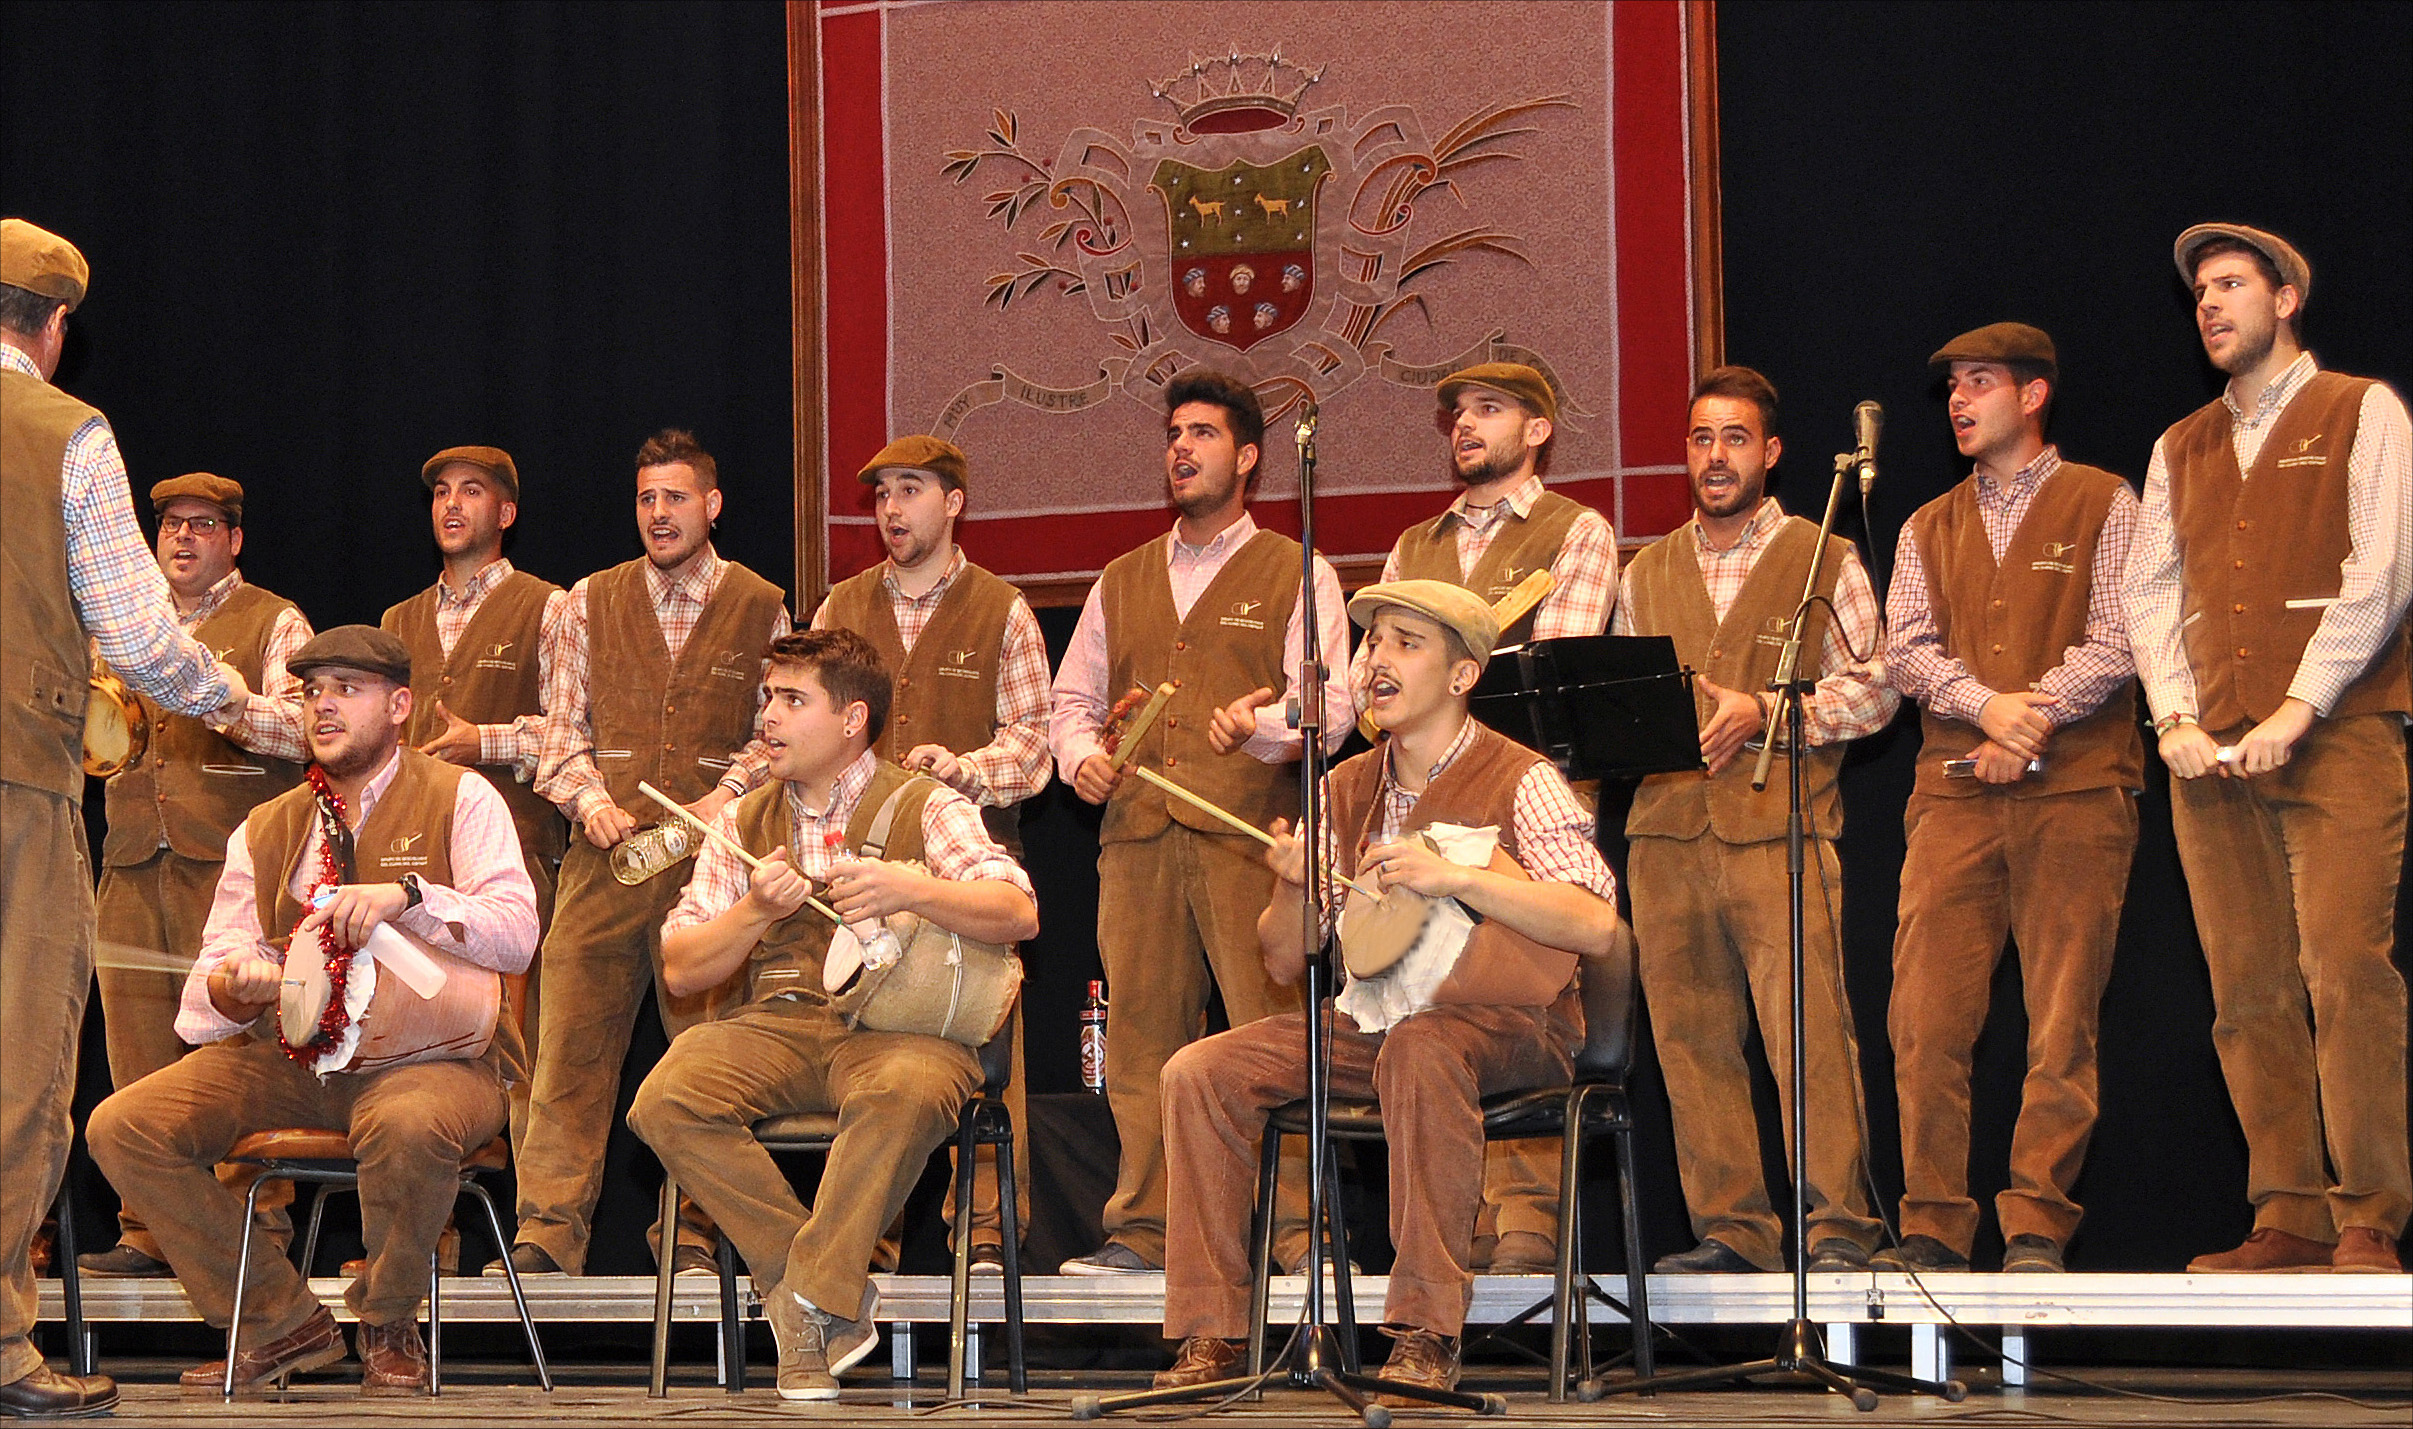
<point>1434,1034</point>
<point>656,677</point>
<point>969,705</point>
<point>481,641</point>
<point>896,1094</point>
<point>1212,607</point>
<point>2266,602</point>
<point>1498,417</point>
<point>2005,624</point>
<point>170,811</point>
<point>432,853</point>
<point>1707,867</point>
<point>77,575</point>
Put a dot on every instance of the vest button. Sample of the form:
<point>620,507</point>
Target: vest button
<point>2241,525</point>
<point>904,683</point>
<point>1715,652</point>
<point>1998,649</point>
<point>2237,565</point>
<point>1172,721</point>
<point>1998,605</point>
<point>1171,760</point>
<point>2237,610</point>
<point>2241,652</point>
<point>1181,644</point>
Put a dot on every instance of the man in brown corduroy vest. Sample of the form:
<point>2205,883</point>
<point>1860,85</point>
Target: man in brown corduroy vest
<point>1430,1036</point>
<point>831,801</point>
<point>430,852</point>
<point>1706,862</point>
<point>169,812</point>
<point>656,677</point>
<point>970,706</point>
<point>77,575</point>
<point>2005,624</point>
<point>2266,601</point>
<point>480,640</point>
<point>1213,608</point>
<point>1498,418</point>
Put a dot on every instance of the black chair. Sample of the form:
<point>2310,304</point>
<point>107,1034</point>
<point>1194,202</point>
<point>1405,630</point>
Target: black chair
<point>80,1356</point>
<point>1594,1103</point>
<point>983,1122</point>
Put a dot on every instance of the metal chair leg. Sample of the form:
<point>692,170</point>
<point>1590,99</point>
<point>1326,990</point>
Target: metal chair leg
<point>1637,1273</point>
<point>234,1322</point>
<point>318,1213</point>
<point>1563,1291</point>
<point>435,1325</point>
<point>733,1320</point>
<point>1009,1215</point>
<point>959,1289</point>
<point>519,1294</point>
<point>1338,1242</point>
<point>658,1386</point>
<point>80,1353</point>
<point>1260,1245</point>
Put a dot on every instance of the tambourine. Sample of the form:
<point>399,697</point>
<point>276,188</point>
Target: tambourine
<point>115,731</point>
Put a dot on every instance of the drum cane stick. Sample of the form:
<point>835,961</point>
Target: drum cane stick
<point>1243,825</point>
<point>1138,728</point>
<point>1508,609</point>
<point>726,842</point>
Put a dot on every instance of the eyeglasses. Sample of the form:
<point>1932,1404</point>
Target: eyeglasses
<point>198,525</point>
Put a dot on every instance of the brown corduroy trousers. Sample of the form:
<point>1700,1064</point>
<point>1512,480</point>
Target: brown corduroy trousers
<point>2293,875</point>
<point>1430,1074</point>
<point>1712,928</point>
<point>2051,873</point>
<point>896,1095</point>
<point>411,1127</point>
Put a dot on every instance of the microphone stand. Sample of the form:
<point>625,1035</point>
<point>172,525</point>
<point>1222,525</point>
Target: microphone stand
<point>1315,1358</point>
<point>1799,1352</point>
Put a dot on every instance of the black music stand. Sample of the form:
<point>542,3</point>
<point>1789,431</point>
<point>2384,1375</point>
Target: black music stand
<point>1597,706</point>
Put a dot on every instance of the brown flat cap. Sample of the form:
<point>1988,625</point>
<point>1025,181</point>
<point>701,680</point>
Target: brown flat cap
<point>1514,378</point>
<point>493,461</point>
<point>1454,606</point>
<point>355,647</point>
<point>218,491</point>
<point>942,459</point>
<point>2294,272</point>
<point>2001,342</point>
<point>39,261</point>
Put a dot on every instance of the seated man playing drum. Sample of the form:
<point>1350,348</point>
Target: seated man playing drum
<point>383,866</point>
<point>1444,812</point>
<point>788,1048</point>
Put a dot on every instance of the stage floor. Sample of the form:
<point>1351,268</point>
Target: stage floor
<point>495,1396</point>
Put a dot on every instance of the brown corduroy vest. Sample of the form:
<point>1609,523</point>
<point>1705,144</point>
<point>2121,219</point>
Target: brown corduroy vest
<point>47,675</point>
<point>1497,968</point>
<point>493,676</point>
<point>946,686</point>
<point>410,831</point>
<point>787,960</point>
<point>193,784</point>
<point>675,724</point>
<point>2011,623</point>
<point>1524,545</point>
<point>1739,653</point>
<point>2260,556</point>
<point>1231,644</point>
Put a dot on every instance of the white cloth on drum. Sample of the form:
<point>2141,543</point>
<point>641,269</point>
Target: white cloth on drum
<point>1377,1004</point>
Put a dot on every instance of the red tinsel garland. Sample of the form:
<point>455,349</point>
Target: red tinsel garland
<point>333,1021</point>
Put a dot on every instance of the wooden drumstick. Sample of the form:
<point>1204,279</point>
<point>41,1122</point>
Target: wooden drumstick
<point>728,843</point>
<point>1508,610</point>
<point>1243,825</point>
<point>1133,732</point>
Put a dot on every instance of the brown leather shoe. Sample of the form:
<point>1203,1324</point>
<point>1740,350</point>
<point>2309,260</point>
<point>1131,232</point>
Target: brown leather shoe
<point>1203,1360</point>
<point>1524,1253</point>
<point>448,1257</point>
<point>46,1394</point>
<point>392,1360</point>
<point>2268,1251</point>
<point>320,1341</point>
<point>1418,1357</point>
<point>2364,1251</point>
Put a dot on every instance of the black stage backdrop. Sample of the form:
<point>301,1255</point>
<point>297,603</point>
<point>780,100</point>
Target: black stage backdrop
<point>328,241</point>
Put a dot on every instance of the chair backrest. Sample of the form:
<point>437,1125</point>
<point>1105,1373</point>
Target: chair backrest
<point>997,1054</point>
<point>1608,984</point>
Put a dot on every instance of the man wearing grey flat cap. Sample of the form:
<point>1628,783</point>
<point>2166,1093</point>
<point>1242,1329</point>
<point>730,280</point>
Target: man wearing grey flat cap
<point>2266,601</point>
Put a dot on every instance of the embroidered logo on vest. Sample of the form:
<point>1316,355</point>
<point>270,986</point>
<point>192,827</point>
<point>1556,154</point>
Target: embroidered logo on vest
<point>493,658</point>
<point>958,664</point>
<point>1775,633</point>
<point>730,666</point>
<point>2053,552</point>
<point>403,844</point>
<point>1241,610</point>
<point>2304,445</point>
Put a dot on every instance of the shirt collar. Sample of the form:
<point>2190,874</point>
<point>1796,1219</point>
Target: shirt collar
<point>938,589</point>
<point>488,576</point>
<point>696,585</point>
<point>2275,394</point>
<point>1756,529</point>
<point>1519,502</point>
<point>375,789</point>
<point>212,598</point>
<point>844,795</point>
<point>2028,477</point>
<point>15,360</point>
<point>1227,540</point>
<point>1449,756</point>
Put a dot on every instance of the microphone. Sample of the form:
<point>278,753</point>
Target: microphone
<point>1307,416</point>
<point>1868,421</point>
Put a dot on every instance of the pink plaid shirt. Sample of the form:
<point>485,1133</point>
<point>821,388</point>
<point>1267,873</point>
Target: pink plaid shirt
<point>271,719</point>
<point>113,574</point>
<point>1851,698</point>
<point>1081,696</point>
<point>565,766</point>
<point>2089,673</point>
<point>955,846</point>
<point>1014,765</point>
<point>1583,574</point>
<point>487,916</point>
<point>515,745</point>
